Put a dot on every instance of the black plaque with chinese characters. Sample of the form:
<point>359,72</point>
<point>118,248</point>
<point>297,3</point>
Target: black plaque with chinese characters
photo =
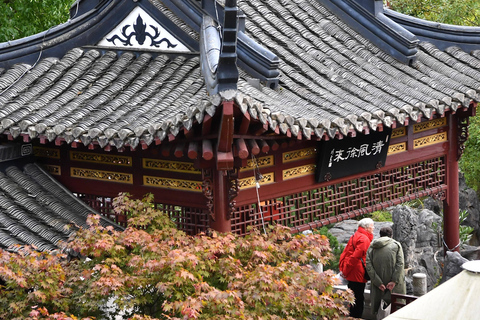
<point>340,158</point>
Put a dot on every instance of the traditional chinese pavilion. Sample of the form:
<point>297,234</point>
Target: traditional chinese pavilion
<point>237,114</point>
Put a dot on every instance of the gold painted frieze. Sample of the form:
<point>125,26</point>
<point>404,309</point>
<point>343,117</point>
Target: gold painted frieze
<point>108,176</point>
<point>298,155</point>
<point>432,124</point>
<point>397,148</point>
<point>115,160</point>
<point>250,182</point>
<point>53,170</point>
<point>430,140</point>
<point>399,132</point>
<point>46,152</point>
<point>178,184</point>
<point>173,166</point>
<point>298,172</point>
<point>261,162</point>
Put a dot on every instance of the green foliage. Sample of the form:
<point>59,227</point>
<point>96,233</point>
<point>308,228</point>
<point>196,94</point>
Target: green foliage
<point>469,164</point>
<point>335,246</point>
<point>466,232</point>
<point>416,203</point>
<point>21,18</point>
<point>458,12</point>
<point>153,270</point>
<point>380,216</point>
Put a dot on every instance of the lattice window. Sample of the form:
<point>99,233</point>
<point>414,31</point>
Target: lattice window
<point>102,205</point>
<point>358,195</point>
<point>189,219</point>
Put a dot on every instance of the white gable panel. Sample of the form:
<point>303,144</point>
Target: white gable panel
<point>140,31</point>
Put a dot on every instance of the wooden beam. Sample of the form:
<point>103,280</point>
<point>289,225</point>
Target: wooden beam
<point>207,125</point>
<point>224,148</point>
<point>225,134</point>
<point>179,149</point>
<point>165,148</point>
<point>245,124</point>
<point>192,150</point>
<point>264,147</point>
<point>242,148</point>
<point>207,150</point>
<point>224,160</point>
<point>254,148</point>
<point>261,130</point>
<point>274,145</point>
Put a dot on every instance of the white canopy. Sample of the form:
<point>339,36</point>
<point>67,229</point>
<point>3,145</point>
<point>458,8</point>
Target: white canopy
<point>457,298</point>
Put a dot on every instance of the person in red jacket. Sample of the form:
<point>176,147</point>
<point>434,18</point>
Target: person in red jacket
<point>352,266</point>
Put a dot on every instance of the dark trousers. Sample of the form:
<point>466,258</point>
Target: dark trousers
<point>358,289</point>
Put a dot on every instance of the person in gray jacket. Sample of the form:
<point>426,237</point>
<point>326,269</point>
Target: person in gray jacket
<point>385,266</point>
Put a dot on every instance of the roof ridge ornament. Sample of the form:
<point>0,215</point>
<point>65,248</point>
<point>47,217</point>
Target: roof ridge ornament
<point>218,51</point>
<point>140,31</point>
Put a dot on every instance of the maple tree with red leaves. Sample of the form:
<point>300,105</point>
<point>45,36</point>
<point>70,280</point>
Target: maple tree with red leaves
<point>154,271</point>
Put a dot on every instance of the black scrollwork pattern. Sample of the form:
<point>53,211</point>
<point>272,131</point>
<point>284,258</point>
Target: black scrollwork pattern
<point>141,34</point>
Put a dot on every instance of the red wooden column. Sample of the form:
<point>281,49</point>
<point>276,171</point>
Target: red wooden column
<point>221,218</point>
<point>451,205</point>
<point>224,163</point>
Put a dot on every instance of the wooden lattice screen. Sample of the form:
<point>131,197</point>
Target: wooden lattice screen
<point>315,207</point>
<point>189,219</point>
<point>336,202</point>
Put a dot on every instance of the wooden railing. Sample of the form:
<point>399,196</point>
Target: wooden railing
<point>401,300</point>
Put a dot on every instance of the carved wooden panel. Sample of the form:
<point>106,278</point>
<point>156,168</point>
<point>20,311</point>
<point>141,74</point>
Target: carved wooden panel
<point>53,170</point>
<point>297,172</point>
<point>114,160</point>
<point>299,155</point>
<point>397,148</point>
<point>398,132</point>
<point>430,140</point>
<point>261,162</point>
<point>102,175</point>
<point>250,182</point>
<point>427,125</point>
<point>174,166</point>
<point>179,184</point>
<point>51,153</point>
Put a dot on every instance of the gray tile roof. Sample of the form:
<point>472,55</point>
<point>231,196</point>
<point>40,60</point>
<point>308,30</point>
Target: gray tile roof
<point>36,210</point>
<point>332,81</point>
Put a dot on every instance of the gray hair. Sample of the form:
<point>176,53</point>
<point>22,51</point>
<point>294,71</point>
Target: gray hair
<point>365,222</point>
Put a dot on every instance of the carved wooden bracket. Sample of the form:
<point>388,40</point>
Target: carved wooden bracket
<point>207,188</point>
<point>232,191</point>
<point>462,129</point>
<point>440,196</point>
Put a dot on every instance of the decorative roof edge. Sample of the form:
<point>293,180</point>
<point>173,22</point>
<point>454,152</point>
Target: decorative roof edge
<point>440,34</point>
<point>227,65</point>
<point>80,31</point>
<point>256,60</point>
<point>367,17</point>
<point>26,50</point>
<point>218,54</point>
